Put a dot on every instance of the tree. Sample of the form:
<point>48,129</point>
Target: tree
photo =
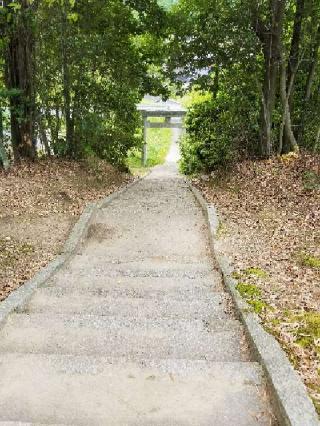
<point>268,25</point>
<point>258,55</point>
<point>74,84</point>
<point>19,74</point>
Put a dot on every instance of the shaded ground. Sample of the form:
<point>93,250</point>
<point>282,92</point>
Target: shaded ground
<point>270,228</point>
<point>39,203</point>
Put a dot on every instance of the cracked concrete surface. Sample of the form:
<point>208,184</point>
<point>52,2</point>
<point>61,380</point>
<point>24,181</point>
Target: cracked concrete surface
<point>136,329</point>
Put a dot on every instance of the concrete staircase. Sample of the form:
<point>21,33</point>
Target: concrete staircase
<point>136,329</point>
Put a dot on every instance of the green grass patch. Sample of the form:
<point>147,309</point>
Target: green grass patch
<point>310,261</point>
<point>258,305</point>
<point>248,290</point>
<point>250,272</point>
<point>252,295</point>
<point>222,230</point>
<point>257,272</point>
<point>11,251</point>
<point>308,333</point>
<point>311,180</point>
<point>159,141</point>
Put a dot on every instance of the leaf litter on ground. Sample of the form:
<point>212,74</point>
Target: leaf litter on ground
<point>39,204</point>
<point>270,213</point>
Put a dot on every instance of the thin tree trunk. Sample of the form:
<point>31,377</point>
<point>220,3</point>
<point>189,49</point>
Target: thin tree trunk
<point>293,64</point>
<point>270,39</point>
<point>316,146</point>
<point>19,76</point>
<point>3,154</point>
<point>67,87</point>
<point>43,135</point>
<point>215,88</point>
<point>286,126</point>
<point>310,79</point>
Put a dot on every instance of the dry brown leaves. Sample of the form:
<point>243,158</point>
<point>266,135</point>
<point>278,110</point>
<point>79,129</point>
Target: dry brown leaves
<point>39,203</point>
<point>270,213</point>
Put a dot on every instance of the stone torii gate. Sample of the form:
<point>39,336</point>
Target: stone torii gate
<point>168,110</point>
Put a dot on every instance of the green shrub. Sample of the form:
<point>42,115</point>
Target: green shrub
<point>207,145</point>
<point>108,137</point>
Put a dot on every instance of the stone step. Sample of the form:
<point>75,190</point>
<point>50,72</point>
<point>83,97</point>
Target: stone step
<point>210,325</point>
<point>137,284</point>
<point>217,306</point>
<point>42,389</point>
<point>98,265</point>
<point>183,295</point>
<point>180,231</point>
<point>135,340</point>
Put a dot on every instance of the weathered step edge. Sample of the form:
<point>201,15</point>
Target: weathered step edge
<point>289,396</point>
<point>19,298</point>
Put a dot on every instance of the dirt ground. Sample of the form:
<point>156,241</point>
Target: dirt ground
<point>270,229</point>
<point>39,204</point>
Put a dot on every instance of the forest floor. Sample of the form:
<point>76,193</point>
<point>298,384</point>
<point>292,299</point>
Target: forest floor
<point>39,204</point>
<point>270,229</point>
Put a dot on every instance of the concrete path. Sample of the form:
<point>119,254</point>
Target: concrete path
<point>136,329</point>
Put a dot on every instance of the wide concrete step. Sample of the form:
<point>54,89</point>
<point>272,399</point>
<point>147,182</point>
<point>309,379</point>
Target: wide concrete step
<point>187,326</point>
<point>42,389</point>
<point>91,265</point>
<point>75,302</point>
<point>179,294</point>
<point>66,279</point>
<point>134,340</point>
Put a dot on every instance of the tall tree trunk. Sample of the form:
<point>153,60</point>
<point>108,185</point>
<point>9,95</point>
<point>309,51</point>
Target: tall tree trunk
<point>286,126</point>
<point>293,64</point>
<point>3,154</point>
<point>43,134</point>
<point>19,76</point>
<point>268,100</point>
<point>215,85</point>
<point>310,79</point>
<point>67,86</point>
<point>270,38</point>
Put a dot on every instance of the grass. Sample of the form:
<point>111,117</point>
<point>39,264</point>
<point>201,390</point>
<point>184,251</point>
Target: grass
<point>250,272</point>
<point>252,295</point>
<point>159,141</point>
<point>308,334</point>
<point>310,261</point>
<point>311,180</point>
<point>248,291</point>
<point>10,251</point>
<point>222,230</point>
<point>257,272</point>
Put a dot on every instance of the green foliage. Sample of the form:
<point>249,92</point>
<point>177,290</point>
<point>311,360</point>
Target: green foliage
<point>218,47</point>
<point>217,131</point>
<point>167,4</point>
<point>205,147</point>
<point>92,65</point>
